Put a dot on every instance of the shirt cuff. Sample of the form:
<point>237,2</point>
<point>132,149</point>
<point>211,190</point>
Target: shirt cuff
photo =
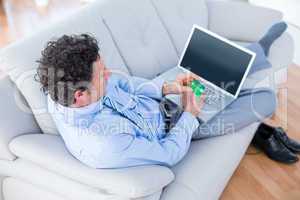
<point>159,83</point>
<point>190,121</point>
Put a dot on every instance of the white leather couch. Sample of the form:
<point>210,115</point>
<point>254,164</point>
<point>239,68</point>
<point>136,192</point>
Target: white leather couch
<point>143,38</point>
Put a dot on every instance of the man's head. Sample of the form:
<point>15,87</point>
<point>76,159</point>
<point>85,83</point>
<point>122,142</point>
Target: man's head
<point>72,72</point>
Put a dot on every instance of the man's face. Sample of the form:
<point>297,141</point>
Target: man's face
<point>97,87</point>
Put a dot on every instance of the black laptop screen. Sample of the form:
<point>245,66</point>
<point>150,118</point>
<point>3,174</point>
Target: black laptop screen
<point>216,61</point>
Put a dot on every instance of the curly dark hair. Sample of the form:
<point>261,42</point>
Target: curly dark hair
<point>66,65</point>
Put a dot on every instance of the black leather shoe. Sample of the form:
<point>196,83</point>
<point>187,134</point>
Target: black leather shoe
<point>291,144</point>
<point>265,140</point>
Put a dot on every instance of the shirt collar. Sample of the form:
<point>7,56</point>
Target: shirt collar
<point>56,108</point>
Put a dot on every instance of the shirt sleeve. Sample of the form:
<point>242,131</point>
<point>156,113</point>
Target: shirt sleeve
<point>141,86</point>
<point>129,150</point>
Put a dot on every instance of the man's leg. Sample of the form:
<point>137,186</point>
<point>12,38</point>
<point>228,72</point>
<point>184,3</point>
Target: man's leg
<point>251,106</point>
<point>262,47</point>
<point>260,62</point>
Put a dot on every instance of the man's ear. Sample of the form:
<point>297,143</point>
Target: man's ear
<point>81,98</point>
<point>77,95</point>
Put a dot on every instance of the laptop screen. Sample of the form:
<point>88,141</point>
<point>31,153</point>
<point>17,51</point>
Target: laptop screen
<point>216,61</point>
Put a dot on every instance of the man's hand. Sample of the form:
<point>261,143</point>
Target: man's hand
<point>191,103</point>
<point>186,79</point>
<point>180,85</point>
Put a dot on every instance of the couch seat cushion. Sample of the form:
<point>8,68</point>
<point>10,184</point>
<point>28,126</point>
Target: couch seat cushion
<point>10,186</point>
<point>49,152</point>
<point>207,168</point>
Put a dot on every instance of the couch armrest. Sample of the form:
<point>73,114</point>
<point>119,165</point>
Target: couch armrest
<point>282,52</point>
<point>133,182</point>
<point>13,120</point>
<point>281,57</point>
<point>239,20</point>
<point>1,186</point>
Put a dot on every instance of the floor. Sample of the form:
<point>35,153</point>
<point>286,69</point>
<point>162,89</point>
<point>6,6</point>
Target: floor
<point>257,177</point>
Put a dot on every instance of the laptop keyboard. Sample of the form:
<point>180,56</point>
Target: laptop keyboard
<point>212,96</point>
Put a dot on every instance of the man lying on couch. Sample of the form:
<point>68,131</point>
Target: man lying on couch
<point>108,120</point>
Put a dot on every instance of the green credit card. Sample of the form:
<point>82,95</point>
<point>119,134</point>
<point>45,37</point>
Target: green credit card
<point>197,88</point>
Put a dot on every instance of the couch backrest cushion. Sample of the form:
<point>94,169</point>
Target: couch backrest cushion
<point>178,17</point>
<point>19,59</point>
<point>140,36</point>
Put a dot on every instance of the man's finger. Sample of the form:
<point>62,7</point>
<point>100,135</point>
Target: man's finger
<point>180,77</point>
<point>202,99</point>
<point>184,77</point>
<point>185,89</point>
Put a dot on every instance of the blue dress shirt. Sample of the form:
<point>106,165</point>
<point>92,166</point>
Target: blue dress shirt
<point>124,128</point>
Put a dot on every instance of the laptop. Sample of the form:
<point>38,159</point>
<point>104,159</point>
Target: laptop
<point>222,67</point>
